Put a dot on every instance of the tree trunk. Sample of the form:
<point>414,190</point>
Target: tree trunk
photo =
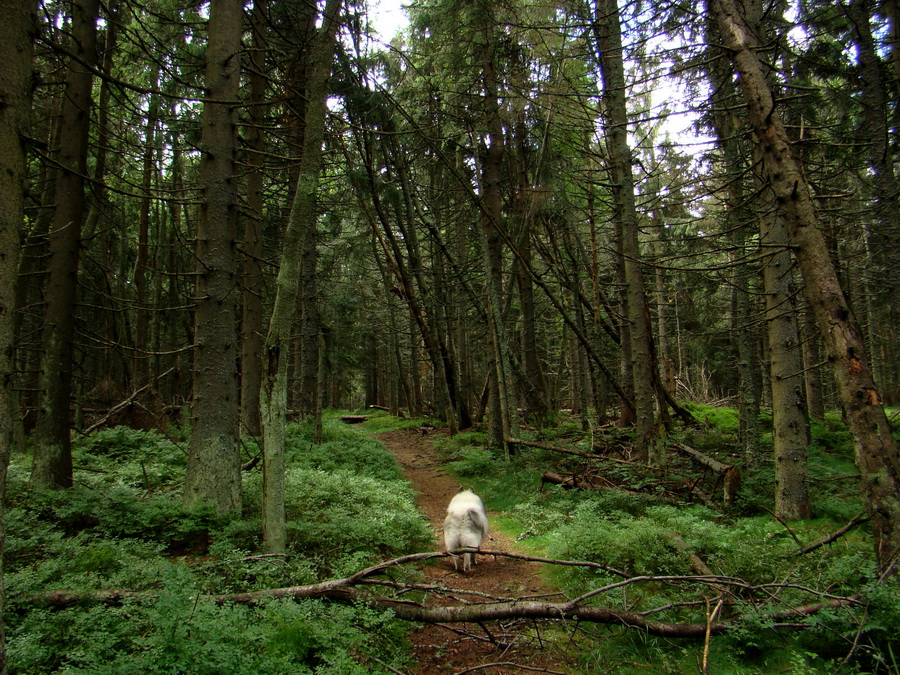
<point>876,453</point>
<point>141,369</point>
<point>891,10</point>
<point>214,460</point>
<point>96,220</point>
<point>738,223</point>
<point>524,204</point>
<point>310,326</point>
<point>600,392</point>
<point>882,254</point>
<point>252,289</point>
<point>17,33</point>
<point>52,463</point>
<point>815,399</point>
<point>273,392</point>
<point>608,33</point>
<point>430,326</point>
<point>790,419</point>
<point>99,203</point>
<point>502,404</point>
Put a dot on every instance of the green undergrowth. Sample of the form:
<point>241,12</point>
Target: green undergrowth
<point>379,421</point>
<point>641,531</point>
<point>124,526</point>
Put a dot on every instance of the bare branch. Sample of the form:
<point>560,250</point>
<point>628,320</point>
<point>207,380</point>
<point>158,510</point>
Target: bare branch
<point>344,590</point>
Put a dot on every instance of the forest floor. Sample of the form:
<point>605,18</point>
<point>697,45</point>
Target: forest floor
<point>506,649</point>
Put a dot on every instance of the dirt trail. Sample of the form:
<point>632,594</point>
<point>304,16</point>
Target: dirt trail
<point>514,648</point>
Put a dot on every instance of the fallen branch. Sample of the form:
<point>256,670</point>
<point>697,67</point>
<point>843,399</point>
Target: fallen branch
<point>411,611</point>
<point>729,473</point>
<point>859,518</point>
<point>575,482</point>
<point>589,455</point>
<point>586,455</point>
<point>124,404</point>
<point>705,498</point>
<point>697,563</point>
<point>552,448</point>
<point>709,462</point>
<point>785,526</point>
<point>345,591</point>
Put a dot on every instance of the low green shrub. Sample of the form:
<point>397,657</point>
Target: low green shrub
<point>177,633</point>
<point>473,461</point>
<point>342,447</point>
<point>719,417</point>
<point>381,422</point>
<point>124,526</point>
<point>452,447</point>
<point>345,521</point>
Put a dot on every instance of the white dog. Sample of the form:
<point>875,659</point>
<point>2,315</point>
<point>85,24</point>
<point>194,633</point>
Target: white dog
<point>465,526</point>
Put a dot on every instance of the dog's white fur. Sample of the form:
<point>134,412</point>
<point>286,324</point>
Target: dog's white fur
<point>465,526</point>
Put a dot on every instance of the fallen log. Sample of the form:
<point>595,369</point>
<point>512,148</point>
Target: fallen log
<point>582,483</point>
<point>697,563</point>
<point>730,474</point>
<point>569,483</point>
<point>353,419</point>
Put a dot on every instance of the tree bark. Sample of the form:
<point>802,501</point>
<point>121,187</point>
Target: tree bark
<point>252,288</point>
<point>52,462</point>
<point>790,418</point>
<point>214,460</point>
<point>876,453</point>
<point>309,403</point>
<point>812,361</point>
<point>501,422</point>
<point>608,33</point>
<point>274,389</point>
<point>17,32</point>
<point>880,243</point>
<point>738,222</point>
<point>141,371</point>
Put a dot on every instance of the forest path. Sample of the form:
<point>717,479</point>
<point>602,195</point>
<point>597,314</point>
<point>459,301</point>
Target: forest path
<point>514,647</point>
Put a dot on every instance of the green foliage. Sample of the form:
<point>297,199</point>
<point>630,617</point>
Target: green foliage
<point>348,507</point>
<point>116,529</point>
<point>119,455</point>
<point>474,461</point>
<point>344,521</point>
<point>452,448</point>
<point>639,534</point>
<point>380,422</point>
<point>719,417</point>
<point>831,446</point>
<point>343,447</point>
<point>176,633</point>
<point>106,508</point>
